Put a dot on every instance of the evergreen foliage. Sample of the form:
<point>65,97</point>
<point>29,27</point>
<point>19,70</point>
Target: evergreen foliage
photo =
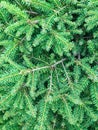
<point>48,65</point>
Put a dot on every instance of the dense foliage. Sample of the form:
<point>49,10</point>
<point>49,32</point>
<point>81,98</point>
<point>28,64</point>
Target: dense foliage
<point>49,65</point>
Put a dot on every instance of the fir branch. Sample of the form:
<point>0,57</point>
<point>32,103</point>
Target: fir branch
<point>45,93</point>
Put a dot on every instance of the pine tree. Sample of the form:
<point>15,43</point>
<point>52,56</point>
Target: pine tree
<point>48,65</point>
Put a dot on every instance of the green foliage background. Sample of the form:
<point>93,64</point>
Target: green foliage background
<point>49,65</point>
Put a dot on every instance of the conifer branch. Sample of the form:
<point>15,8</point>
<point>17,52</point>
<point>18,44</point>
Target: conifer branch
<point>68,78</point>
<point>43,92</point>
<point>46,101</point>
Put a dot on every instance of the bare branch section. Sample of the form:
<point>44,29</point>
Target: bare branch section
<point>59,62</point>
<point>51,66</point>
<point>31,12</point>
<point>32,22</point>
<point>44,67</point>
